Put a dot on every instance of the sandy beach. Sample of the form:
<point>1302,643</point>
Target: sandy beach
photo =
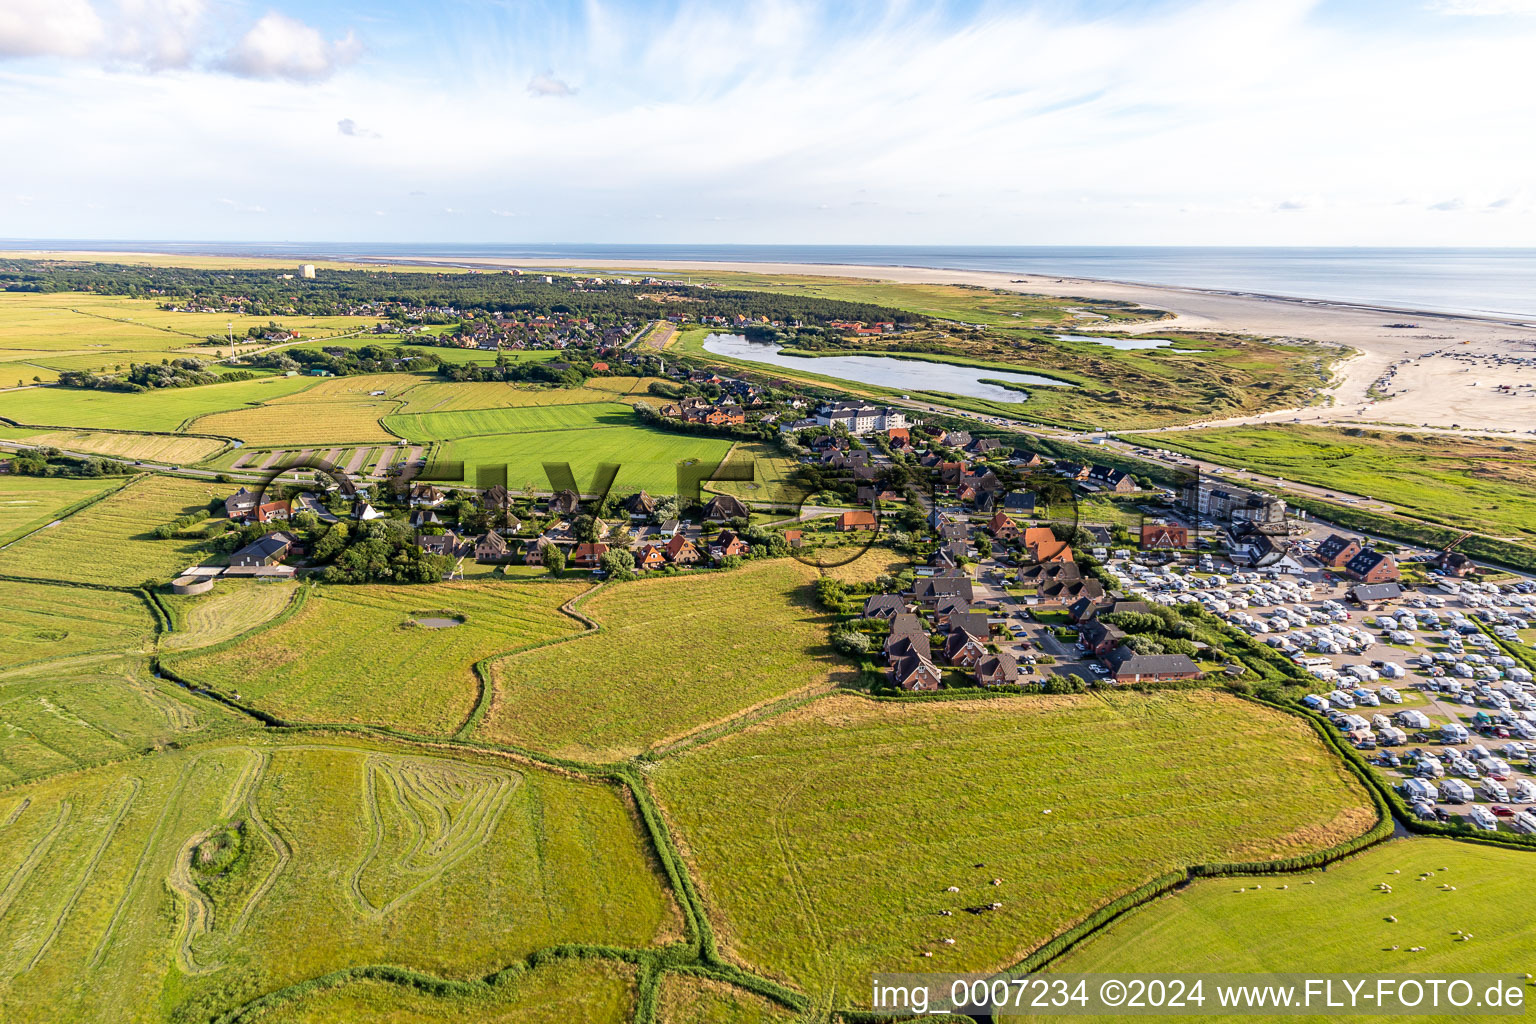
<point>1444,372</point>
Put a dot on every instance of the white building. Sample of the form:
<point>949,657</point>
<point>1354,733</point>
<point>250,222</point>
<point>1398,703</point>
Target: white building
<point>861,417</point>
<point>306,270</point>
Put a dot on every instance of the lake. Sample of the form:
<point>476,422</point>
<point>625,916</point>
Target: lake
<point>906,375</point>
<point>1123,344</point>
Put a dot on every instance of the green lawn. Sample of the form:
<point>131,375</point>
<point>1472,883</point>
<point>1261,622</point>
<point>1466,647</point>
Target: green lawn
<point>1472,483</point>
<point>336,852</point>
<point>351,654</point>
<point>1335,921</point>
<point>43,622</point>
<point>27,502</point>
<point>110,543</point>
<point>674,654</point>
<point>447,426</point>
<point>825,839</point>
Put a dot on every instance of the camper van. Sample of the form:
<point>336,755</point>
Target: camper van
<point>1494,790</point>
<point>1453,732</point>
<point>1454,791</point>
<point>1525,822</point>
<point>1483,818</point>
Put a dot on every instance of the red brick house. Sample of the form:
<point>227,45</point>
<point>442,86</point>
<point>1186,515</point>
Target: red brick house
<point>273,510</point>
<point>1337,550</point>
<point>586,556</point>
<point>914,672</point>
<point>681,551</point>
<point>1163,536</point>
<point>1002,526</point>
<point>1373,567</point>
<point>997,670</point>
<point>856,520</point>
<point>964,650</point>
<point>727,544</point>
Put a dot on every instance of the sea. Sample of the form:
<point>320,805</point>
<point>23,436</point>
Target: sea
<point>1486,281</point>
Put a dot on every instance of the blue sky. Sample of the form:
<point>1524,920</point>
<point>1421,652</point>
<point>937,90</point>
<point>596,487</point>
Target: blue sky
<point>1327,122</point>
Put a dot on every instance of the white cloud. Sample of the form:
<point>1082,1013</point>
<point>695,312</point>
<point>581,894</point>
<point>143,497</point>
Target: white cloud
<point>239,207</point>
<point>349,127</point>
<point>277,46</point>
<point>1484,7</point>
<point>158,34</point>
<point>548,85</point>
<point>49,28</point>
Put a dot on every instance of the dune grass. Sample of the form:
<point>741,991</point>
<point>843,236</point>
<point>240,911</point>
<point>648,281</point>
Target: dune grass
<point>825,839</point>
<point>674,654</point>
<point>352,654</point>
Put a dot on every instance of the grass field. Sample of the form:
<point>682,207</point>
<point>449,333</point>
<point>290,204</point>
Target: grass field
<point>688,1000</point>
<point>134,895</point>
<point>109,542</point>
<point>44,622</point>
<point>28,502</point>
<point>566,991</point>
<point>448,426</point>
<point>771,473</point>
<point>674,654</point>
<point>162,448</point>
<point>456,397</point>
<point>349,655</point>
<point>326,422</point>
<point>232,607</point>
<point>1474,483</point>
<point>164,409</point>
<point>825,839</point>
<point>1335,921</point>
<point>59,716</point>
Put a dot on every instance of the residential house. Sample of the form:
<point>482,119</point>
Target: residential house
<point>1126,666</point>
<point>1455,563</point>
<point>492,547</point>
<point>682,551</point>
<point>1049,572</point>
<point>1029,460</point>
<point>1337,550</point>
<point>725,507</point>
<point>1163,536</point>
<point>974,623</point>
<point>564,503</point>
<point>1108,478</point>
<point>856,519</point>
<point>915,672</point>
<point>1071,470</point>
<point>363,511</point>
<point>1372,596</point>
<point>1044,547</point>
<point>963,649</point>
<point>794,538</point>
<point>1002,527</point>
<point>533,550</point>
<point>650,556</point>
<point>1101,639</point>
<point>997,670</point>
<point>1020,501</point>
<point>441,544</point>
<point>268,550</point>
<point>984,445</point>
<point>928,591</point>
<point>587,555</point>
<point>425,495</point>
<point>496,497</point>
<point>241,504</point>
<point>727,543</point>
<point>640,505</point>
<point>886,606</point>
<point>948,605</point>
<point>274,511</point>
<point>1062,593</point>
<point>1371,566</point>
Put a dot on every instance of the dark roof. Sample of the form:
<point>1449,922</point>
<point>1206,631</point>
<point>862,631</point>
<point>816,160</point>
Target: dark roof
<point>1097,632</point>
<point>1336,543</point>
<point>907,624</point>
<point>1376,592</point>
<point>1048,571</point>
<point>1365,561</point>
<point>885,604</point>
<point>1004,664</point>
<point>1125,661</point>
<point>938,586</point>
<point>273,545</point>
<point>1020,501</point>
<point>726,506</point>
<point>974,623</point>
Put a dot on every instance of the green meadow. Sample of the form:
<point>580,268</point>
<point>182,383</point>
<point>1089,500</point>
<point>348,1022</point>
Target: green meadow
<point>30,502</point>
<point>163,409</point>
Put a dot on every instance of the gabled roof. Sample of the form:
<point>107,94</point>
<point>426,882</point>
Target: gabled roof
<point>726,506</point>
<point>974,623</point>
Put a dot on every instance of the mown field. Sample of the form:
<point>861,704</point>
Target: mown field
<point>647,458</point>
<point>28,502</point>
<point>1335,921</point>
<point>562,992</point>
<point>447,426</point>
<point>109,542</point>
<point>58,716</point>
<point>456,397</point>
<point>674,654</point>
<point>44,622</point>
<point>186,885</point>
<point>162,448</point>
<point>1480,484</point>
<point>825,839</point>
<point>327,422</point>
<point>164,409</point>
<point>771,476</point>
<point>232,607</point>
<point>350,654</point>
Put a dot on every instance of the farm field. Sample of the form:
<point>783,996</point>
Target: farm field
<point>59,716</point>
<point>564,991</point>
<point>348,654</point>
<point>109,542</point>
<point>164,409</point>
<point>183,886</point>
<point>447,426</point>
<point>1480,484</point>
<point>1209,926</point>
<point>674,654</point>
<point>44,622</point>
<point>448,396</point>
<point>27,502</point>
<point>325,422</point>
<point>771,475</point>
<point>689,1000</point>
<point>162,448</point>
<point>232,607</point>
<point>647,458</point>
<point>83,331</point>
<point>791,825</point>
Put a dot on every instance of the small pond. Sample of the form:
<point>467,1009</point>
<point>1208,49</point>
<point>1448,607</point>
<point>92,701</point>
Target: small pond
<point>434,622</point>
<point>1124,344</point>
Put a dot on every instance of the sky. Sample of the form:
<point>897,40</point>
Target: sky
<point>1098,122</point>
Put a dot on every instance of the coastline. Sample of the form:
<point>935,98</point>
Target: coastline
<point>1449,371</point>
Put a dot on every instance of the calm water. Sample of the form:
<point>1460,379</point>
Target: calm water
<point>1496,281</point>
<point>903,374</point>
<point>1123,344</point>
